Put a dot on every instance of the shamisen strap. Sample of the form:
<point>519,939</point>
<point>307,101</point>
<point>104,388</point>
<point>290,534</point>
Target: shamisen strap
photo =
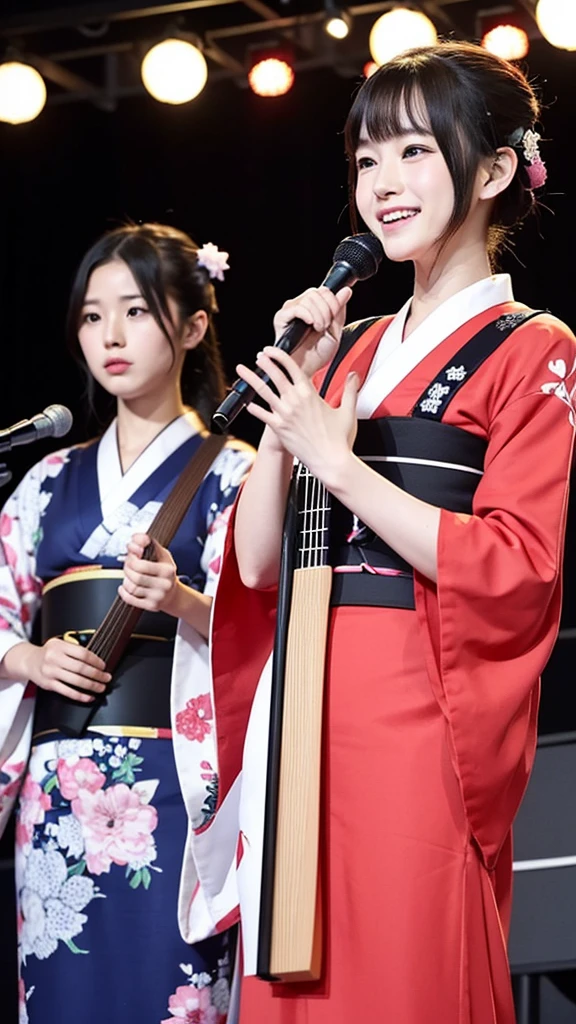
<point>434,401</point>
<point>290,939</point>
<point>110,639</point>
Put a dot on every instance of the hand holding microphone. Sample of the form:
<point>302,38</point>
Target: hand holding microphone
<point>356,259</point>
<point>325,314</point>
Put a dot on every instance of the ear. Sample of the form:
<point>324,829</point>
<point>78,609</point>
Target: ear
<point>496,172</point>
<point>194,329</point>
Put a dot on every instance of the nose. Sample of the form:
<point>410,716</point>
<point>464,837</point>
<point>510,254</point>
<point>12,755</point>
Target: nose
<point>113,333</point>
<point>388,180</point>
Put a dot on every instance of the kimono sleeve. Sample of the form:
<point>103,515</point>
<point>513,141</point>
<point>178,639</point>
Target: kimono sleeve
<point>230,469</point>
<point>492,618</point>
<point>19,600</point>
<point>207,899</point>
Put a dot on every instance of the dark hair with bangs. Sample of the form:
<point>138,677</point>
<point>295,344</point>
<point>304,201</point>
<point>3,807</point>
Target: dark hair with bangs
<point>163,262</point>
<point>472,103</point>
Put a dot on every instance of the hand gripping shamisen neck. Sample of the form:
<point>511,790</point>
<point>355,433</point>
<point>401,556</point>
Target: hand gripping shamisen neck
<point>105,870</point>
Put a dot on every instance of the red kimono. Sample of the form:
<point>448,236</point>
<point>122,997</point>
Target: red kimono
<point>431,714</point>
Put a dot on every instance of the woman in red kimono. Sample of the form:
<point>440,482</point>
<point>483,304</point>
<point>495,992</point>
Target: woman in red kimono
<point>451,495</point>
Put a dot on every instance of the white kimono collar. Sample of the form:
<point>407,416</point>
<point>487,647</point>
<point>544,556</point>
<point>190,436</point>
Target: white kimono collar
<point>395,359</point>
<point>116,487</point>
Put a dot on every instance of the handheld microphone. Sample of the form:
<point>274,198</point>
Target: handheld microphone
<point>55,421</point>
<point>356,258</point>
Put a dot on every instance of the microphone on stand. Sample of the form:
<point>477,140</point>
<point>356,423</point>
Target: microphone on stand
<point>356,259</point>
<point>55,421</point>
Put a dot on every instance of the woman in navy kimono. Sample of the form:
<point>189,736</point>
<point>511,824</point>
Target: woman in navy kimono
<point>105,873</point>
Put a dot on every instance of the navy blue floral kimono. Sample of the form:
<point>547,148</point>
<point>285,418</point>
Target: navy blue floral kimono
<point>104,873</point>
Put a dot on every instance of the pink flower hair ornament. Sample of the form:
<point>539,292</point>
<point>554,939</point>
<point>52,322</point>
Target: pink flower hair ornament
<point>213,260</point>
<point>525,142</point>
<point>537,174</point>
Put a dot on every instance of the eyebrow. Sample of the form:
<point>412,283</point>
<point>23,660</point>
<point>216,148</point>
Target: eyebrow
<point>123,298</point>
<point>365,140</point>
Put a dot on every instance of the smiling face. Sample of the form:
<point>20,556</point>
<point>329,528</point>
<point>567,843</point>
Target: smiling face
<point>404,192</point>
<point>430,160</point>
<point>124,347</point>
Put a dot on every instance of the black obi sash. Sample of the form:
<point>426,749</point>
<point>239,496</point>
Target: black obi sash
<point>73,606</point>
<point>435,462</point>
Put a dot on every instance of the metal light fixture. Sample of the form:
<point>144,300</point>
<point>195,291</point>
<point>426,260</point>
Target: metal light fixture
<point>338,21</point>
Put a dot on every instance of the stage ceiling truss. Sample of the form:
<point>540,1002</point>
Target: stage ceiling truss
<point>92,52</point>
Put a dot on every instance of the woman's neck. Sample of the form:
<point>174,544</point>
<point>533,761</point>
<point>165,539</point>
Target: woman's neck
<point>140,421</point>
<point>438,281</point>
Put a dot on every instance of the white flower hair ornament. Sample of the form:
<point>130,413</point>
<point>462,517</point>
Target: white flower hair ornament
<point>213,260</point>
<point>525,142</point>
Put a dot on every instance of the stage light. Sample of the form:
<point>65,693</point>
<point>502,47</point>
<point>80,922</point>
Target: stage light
<point>271,75</point>
<point>398,30</point>
<point>369,68</point>
<point>507,41</point>
<point>337,22</point>
<point>556,20</point>
<point>174,71</point>
<point>22,92</point>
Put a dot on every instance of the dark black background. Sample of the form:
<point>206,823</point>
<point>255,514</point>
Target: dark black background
<point>263,179</point>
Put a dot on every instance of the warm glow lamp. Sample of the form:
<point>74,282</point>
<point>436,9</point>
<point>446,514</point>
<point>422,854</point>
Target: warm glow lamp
<point>398,30</point>
<point>22,92</point>
<point>337,22</point>
<point>271,75</point>
<point>507,41</point>
<point>174,71</point>
<point>556,20</point>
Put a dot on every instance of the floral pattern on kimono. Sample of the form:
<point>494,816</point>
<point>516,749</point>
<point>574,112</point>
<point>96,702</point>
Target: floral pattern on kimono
<point>90,826</point>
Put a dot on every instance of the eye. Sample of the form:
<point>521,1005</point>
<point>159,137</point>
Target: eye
<point>363,162</point>
<point>135,311</point>
<point>412,151</point>
<point>90,318</point>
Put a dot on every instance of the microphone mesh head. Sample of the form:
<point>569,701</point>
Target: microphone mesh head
<point>363,253</point>
<point>60,418</point>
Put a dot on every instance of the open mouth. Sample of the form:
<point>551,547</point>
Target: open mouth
<point>393,216</point>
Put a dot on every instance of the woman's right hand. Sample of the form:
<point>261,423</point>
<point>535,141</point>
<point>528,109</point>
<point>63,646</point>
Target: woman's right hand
<point>326,314</point>
<point>60,665</point>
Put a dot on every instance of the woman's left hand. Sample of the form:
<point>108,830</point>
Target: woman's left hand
<point>148,585</point>
<point>320,436</point>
